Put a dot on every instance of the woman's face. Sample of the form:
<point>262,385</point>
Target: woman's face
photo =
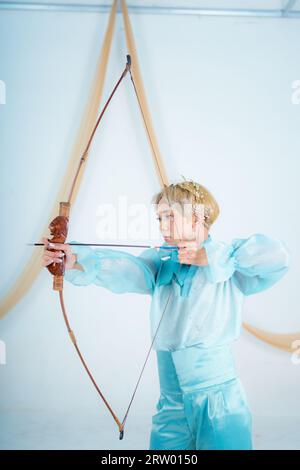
<point>178,224</point>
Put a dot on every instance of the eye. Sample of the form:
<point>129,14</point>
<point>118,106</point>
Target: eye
<point>169,215</point>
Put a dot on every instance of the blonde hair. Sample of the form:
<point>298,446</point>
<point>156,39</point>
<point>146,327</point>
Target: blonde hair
<point>193,193</point>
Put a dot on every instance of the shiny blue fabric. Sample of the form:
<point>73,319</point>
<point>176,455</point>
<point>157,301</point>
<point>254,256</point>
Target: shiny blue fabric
<point>202,403</point>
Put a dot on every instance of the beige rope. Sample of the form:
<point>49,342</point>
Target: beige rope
<point>33,266</point>
<point>142,98</point>
<point>279,340</point>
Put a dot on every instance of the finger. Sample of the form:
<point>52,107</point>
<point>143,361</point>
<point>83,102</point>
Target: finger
<point>187,255</point>
<point>189,246</point>
<point>183,250</point>
<point>45,241</point>
<point>52,258</point>
<point>59,246</point>
<point>188,251</point>
<point>186,260</point>
<point>185,243</point>
<point>184,257</point>
<point>48,261</point>
<point>52,254</point>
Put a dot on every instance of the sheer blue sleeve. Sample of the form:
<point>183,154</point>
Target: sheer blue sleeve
<point>118,271</point>
<point>221,264</point>
<point>260,262</point>
<point>256,262</point>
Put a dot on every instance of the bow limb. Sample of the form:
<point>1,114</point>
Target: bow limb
<point>59,230</point>
<point>73,339</point>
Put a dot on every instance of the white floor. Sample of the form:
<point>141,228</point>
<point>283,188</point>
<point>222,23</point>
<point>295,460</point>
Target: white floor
<point>32,430</point>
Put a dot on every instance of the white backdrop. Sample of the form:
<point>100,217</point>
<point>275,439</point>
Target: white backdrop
<point>221,95</point>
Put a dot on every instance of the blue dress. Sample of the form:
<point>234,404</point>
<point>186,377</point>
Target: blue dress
<point>202,402</point>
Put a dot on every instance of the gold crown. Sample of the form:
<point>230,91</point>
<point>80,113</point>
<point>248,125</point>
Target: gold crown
<point>198,193</point>
<point>194,188</point>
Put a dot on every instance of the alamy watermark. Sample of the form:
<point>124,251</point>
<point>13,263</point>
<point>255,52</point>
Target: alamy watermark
<point>2,92</point>
<point>295,357</point>
<point>129,221</point>
<point>2,353</point>
<point>295,97</point>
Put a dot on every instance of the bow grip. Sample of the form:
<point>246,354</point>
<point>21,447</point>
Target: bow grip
<point>59,232</point>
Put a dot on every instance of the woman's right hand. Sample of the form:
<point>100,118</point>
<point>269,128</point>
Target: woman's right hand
<point>62,251</point>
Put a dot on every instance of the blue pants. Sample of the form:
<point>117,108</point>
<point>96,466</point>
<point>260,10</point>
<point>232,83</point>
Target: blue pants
<point>202,403</point>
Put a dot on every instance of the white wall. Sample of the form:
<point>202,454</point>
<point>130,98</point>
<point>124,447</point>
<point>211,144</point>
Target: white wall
<point>220,93</point>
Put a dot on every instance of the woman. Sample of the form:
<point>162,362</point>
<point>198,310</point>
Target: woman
<point>199,289</point>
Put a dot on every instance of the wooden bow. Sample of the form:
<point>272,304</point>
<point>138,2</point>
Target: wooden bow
<point>59,231</point>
